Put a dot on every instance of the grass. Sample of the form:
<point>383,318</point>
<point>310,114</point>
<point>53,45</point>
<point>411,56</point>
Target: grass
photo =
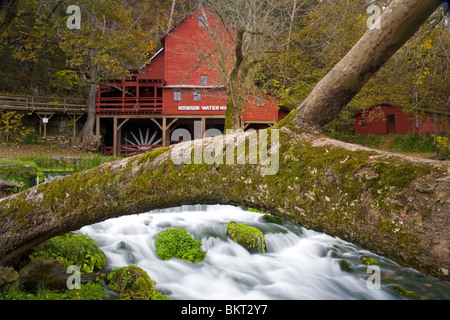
<point>412,144</point>
<point>46,163</point>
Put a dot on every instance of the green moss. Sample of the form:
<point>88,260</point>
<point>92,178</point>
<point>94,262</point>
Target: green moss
<point>249,237</point>
<point>21,174</point>
<point>403,291</point>
<point>71,249</point>
<point>179,244</point>
<point>89,291</point>
<point>152,155</point>
<point>272,219</point>
<point>133,283</point>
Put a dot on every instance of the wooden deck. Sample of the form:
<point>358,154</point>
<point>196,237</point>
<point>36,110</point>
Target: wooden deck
<point>42,104</point>
<point>44,107</point>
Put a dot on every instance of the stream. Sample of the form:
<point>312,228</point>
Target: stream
<point>300,264</point>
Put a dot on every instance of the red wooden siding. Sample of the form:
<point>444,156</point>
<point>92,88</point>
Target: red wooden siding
<point>186,64</point>
<point>388,119</point>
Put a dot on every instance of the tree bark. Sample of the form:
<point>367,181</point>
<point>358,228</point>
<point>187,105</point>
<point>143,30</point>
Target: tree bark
<point>385,203</point>
<point>233,116</point>
<point>87,133</point>
<point>399,22</point>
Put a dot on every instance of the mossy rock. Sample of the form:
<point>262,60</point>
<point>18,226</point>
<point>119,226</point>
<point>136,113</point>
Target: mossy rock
<point>43,272</point>
<point>403,291</point>
<point>133,283</point>
<point>250,238</point>
<point>345,265</point>
<point>8,276</point>
<point>72,249</point>
<point>177,243</point>
<point>272,219</point>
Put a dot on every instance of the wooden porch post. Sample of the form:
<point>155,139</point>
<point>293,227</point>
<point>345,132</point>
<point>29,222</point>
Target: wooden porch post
<point>115,137</point>
<point>164,131</point>
<point>97,126</point>
<point>123,95</point>
<point>203,127</point>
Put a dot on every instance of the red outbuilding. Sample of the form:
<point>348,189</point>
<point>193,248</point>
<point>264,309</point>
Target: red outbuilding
<point>182,85</point>
<point>388,119</point>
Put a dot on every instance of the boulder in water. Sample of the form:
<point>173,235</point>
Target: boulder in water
<point>133,283</point>
<point>250,238</point>
<point>45,273</point>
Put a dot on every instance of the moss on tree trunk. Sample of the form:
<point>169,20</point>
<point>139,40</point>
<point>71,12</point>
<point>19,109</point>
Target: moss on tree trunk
<point>395,206</point>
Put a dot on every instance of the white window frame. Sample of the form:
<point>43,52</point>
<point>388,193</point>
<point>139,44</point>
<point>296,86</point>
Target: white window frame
<point>177,95</point>
<point>204,79</point>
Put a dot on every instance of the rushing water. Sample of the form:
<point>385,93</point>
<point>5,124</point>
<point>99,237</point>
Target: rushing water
<point>299,263</point>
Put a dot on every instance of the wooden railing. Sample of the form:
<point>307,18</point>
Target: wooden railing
<point>42,104</point>
<point>129,105</point>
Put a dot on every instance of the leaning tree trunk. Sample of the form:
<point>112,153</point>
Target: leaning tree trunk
<point>233,117</point>
<point>400,20</point>
<point>396,206</point>
<point>87,133</point>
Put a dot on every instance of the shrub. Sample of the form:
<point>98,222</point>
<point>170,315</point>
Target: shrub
<point>178,243</point>
<point>71,249</point>
<point>133,283</point>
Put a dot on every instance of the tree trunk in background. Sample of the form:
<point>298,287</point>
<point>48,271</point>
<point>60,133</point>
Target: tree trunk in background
<point>87,133</point>
<point>233,116</point>
<point>399,22</point>
<point>10,9</point>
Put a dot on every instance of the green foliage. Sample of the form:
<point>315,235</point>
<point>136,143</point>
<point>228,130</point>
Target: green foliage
<point>371,141</point>
<point>67,79</point>
<point>71,249</point>
<point>179,244</point>
<point>255,210</point>
<point>89,291</point>
<point>17,173</point>
<point>249,237</point>
<point>442,144</point>
<point>133,283</point>
<point>413,143</point>
<point>11,126</point>
<point>368,261</point>
<point>425,144</point>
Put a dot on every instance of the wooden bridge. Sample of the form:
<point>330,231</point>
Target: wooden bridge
<point>44,107</point>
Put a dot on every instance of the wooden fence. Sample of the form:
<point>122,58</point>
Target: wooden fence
<point>42,104</point>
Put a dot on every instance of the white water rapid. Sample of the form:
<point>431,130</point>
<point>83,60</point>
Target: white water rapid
<point>299,263</point>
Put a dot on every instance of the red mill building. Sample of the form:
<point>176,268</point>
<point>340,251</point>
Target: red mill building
<point>177,88</point>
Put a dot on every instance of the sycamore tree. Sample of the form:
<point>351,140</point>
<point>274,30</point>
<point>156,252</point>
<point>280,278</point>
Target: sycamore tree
<point>251,33</point>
